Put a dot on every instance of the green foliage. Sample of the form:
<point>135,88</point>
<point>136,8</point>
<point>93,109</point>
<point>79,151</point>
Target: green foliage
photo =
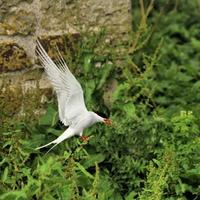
<point>50,118</point>
<point>158,176</point>
<point>149,86</point>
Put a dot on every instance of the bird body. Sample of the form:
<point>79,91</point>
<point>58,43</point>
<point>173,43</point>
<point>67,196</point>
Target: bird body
<point>71,106</point>
<point>86,120</point>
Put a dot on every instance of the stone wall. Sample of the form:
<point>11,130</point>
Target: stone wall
<point>22,21</point>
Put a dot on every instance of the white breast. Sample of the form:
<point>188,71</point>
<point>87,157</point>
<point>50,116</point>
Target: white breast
<point>85,121</point>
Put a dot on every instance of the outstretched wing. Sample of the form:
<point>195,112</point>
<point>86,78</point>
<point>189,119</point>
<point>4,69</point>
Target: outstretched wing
<point>69,91</point>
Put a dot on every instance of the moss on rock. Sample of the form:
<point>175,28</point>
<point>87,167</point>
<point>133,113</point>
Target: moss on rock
<point>21,96</point>
<point>12,57</point>
<point>34,74</point>
<point>65,43</point>
<point>11,100</point>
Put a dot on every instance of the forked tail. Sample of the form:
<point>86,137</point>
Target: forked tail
<point>67,134</point>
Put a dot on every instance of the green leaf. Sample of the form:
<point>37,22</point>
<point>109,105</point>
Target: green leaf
<point>84,171</point>
<point>54,131</point>
<point>131,196</point>
<point>89,89</point>
<point>87,63</point>
<point>7,144</point>
<point>106,72</point>
<point>66,155</point>
<point>50,118</point>
<point>195,43</point>
<point>193,174</point>
<point>129,109</point>
<point>118,93</point>
<point>92,159</point>
<point>5,175</point>
<point>14,195</point>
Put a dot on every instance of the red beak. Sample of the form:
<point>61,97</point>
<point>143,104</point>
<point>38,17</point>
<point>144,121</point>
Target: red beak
<point>107,122</point>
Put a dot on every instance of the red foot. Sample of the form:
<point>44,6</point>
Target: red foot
<point>84,138</point>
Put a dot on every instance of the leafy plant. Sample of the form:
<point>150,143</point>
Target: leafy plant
<point>149,87</point>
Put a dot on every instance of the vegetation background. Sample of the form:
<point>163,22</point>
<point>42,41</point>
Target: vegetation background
<point>153,150</point>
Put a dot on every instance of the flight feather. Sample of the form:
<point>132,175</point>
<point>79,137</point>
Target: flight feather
<point>69,91</point>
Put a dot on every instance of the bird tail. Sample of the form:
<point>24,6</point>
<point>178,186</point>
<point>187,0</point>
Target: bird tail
<point>67,134</point>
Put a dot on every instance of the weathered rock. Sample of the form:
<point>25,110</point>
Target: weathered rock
<point>93,14</point>
<point>66,44</point>
<point>21,21</point>
<point>111,87</point>
<point>5,3</point>
<point>24,93</point>
<point>112,14</point>
<point>10,99</point>
<point>12,57</point>
<point>18,22</point>
<point>32,74</point>
<point>54,15</point>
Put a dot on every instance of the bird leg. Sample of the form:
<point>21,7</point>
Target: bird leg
<point>84,138</point>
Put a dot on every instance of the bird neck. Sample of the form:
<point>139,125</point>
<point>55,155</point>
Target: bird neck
<point>97,117</point>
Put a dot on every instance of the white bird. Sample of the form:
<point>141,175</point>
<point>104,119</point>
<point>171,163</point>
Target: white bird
<point>71,106</point>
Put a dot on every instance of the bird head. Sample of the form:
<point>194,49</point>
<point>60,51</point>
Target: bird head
<point>106,121</point>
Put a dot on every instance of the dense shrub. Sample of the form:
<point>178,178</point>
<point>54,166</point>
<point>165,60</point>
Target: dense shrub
<point>153,149</point>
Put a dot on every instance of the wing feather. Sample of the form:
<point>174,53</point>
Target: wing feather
<point>69,91</point>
